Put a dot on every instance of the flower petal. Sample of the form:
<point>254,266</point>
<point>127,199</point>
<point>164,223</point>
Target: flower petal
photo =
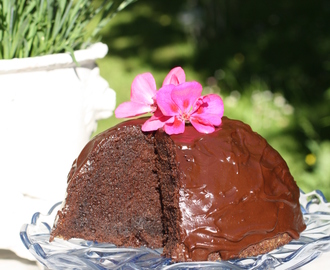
<point>215,104</point>
<point>131,109</point>
<point>210,110</point>
<point>201,127</point>
<point>156,121</point>
<point>186,94</point>
<point>175,76</point>
<point>176,127</point>
<point>165,102</point>
<point>143,89</point>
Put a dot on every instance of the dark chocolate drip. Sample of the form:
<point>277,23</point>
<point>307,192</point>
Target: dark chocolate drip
<point>235,191</point>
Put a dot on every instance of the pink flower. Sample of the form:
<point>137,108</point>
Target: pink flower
<point>143,93</point>
<point>156,121</point>
<point>175,104</point>
<point>183,103</point>
<point>175,76</point>
<point>208,114</point>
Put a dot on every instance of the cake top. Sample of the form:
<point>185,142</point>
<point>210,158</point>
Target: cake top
<point>176,103</point>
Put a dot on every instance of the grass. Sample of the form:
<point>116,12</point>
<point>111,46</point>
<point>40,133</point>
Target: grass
<point>39,27</point>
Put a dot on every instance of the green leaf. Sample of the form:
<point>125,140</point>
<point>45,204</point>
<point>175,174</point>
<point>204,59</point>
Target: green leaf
<point>39,27</point>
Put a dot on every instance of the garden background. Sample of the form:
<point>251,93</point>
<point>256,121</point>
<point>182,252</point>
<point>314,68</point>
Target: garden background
<point>269,60</point>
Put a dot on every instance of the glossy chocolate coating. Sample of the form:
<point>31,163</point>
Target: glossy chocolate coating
<point>236,190</point>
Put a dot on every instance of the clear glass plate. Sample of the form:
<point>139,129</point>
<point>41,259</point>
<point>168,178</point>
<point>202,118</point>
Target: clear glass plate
<point>81,254</point>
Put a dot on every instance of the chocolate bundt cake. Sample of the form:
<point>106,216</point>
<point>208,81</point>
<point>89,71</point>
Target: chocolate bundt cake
<point>222,195</point>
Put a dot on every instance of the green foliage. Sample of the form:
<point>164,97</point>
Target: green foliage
<point>40,27</point>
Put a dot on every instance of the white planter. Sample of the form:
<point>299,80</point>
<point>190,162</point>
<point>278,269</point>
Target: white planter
<point>48,110</point>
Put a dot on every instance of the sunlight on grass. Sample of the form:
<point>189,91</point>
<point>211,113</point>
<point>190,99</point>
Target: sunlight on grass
<point>125,42</point>
<point>168,53</point>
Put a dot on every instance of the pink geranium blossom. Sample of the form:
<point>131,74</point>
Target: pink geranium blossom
<point>208,113</point>
<point>175,104</point>
<point>175,76</point>
<point>156,121</point>
<point>143,93</point>
<point>183,103</point>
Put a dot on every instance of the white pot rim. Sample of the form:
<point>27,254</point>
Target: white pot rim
<point>53,61</point>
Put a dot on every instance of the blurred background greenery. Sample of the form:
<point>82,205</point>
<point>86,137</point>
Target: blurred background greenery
<point>270,62</point>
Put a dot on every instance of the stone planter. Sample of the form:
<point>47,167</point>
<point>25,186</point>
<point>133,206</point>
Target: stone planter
<point>48,111</point>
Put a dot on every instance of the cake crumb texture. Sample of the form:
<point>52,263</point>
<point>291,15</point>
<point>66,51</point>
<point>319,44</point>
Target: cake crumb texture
<point>113,196</point>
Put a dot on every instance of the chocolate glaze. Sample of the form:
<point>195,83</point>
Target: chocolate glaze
<point>236,190</point>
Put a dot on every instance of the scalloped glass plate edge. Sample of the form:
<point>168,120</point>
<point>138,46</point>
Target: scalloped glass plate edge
<point>81,254</point>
